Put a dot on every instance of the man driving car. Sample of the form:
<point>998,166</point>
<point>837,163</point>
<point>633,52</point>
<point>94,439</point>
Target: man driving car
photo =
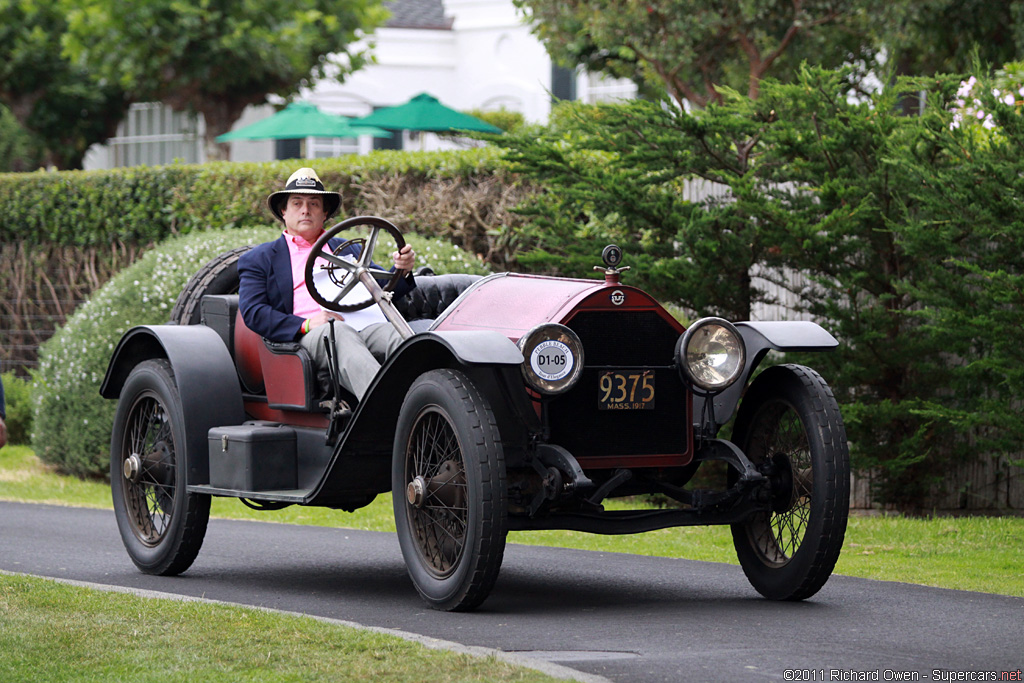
<point>276,304</point>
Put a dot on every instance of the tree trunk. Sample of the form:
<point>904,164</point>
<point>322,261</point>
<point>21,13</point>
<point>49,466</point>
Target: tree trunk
<point>220,116</point>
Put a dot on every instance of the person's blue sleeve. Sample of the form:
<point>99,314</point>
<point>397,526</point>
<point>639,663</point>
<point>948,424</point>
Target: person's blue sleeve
<point>258,311</point>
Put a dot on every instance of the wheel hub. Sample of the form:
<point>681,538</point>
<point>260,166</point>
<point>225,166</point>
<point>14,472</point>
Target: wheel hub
<point>132,467</point>
<point>781,477</point>
<point>154,467</point>
<point>416,492</point>
<point>444,488</point>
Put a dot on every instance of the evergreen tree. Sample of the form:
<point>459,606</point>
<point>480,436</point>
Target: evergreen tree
<point>896,225</point>
<point>619,173</point>
<point>976,305</point>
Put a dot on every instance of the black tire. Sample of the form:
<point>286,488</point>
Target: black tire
<point>452,531</point>
<point>218,276</point>
<point>789,425</point>
<point>161,524</point>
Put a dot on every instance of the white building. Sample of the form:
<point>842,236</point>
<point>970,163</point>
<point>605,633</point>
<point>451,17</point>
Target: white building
<point>470,54</point>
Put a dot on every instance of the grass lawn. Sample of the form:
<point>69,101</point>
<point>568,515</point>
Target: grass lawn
<point>54,632</point>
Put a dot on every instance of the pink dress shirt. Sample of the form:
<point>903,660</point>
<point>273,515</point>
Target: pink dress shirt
<point>302,303</point>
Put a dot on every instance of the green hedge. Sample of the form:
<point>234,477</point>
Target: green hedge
<point>18,407</point>
<point>72,422</point>
<point>147,204</point>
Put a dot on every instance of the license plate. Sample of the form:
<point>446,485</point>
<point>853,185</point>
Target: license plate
<point>625,390</point>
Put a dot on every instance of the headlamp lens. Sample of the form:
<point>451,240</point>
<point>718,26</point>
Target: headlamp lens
<point>713,354</point>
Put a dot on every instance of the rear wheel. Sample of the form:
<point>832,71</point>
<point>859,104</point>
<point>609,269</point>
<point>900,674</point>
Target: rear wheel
<point>161,524</point>
<point>218,276</point>
<point>448,485</point>
<point>790,427</point>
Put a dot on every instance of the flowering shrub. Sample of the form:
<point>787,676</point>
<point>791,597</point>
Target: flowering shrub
<point>975,108</point>
<point>72,422</point>
<point>443,257</point>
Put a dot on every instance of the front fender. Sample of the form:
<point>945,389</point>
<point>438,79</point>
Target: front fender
<point>489,358</point>
<point>204,373</point>
<point>377,415</point>
<point>759,338</point>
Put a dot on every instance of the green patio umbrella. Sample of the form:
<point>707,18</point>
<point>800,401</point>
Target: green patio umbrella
<point>302,120</point>
<point>425,113</point>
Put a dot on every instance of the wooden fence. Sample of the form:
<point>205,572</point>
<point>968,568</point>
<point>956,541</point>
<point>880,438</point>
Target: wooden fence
<point>41,286</point>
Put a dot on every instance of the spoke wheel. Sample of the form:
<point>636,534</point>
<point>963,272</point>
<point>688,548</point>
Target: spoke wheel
<point>436,493</point>
<point>161,524</point>
<point>448,485</point>
<point>148,470</point>
<point>790,427</point>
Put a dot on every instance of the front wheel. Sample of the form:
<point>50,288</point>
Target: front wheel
<point>790,427</point>
<point>448,485</point>
<point>161,524</point>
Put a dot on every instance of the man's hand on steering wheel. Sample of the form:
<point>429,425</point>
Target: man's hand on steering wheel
<point>404,259</point>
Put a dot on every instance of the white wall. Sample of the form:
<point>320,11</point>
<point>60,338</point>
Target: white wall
<point>499,62</point>
<point>488,60</point>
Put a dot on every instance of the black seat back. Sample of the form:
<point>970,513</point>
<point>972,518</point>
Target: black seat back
<point>433,294</point>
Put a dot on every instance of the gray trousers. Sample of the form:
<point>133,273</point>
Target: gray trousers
<point>360,354</point>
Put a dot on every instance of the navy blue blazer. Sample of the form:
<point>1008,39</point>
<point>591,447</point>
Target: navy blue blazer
<point>265,289</point>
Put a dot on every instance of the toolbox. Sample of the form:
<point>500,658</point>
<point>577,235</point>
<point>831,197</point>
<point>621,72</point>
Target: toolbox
<point>253,457</point>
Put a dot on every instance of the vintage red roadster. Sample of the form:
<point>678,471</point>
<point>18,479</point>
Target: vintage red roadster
<point>515,402</point>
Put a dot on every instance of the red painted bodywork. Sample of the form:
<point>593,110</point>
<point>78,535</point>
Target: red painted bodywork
<point>513,304</point>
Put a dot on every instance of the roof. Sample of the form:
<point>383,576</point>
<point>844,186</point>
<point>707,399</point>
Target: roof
<point>423,14</point>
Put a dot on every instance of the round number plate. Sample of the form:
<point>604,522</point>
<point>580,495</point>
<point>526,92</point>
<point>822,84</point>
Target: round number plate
<point>552,360</point>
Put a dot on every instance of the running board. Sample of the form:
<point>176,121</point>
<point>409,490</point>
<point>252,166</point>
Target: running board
<point>295,496</point>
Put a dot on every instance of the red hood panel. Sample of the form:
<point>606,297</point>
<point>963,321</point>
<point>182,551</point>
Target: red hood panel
<point>513,304</point>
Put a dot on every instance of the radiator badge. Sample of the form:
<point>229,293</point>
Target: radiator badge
<point>618,298</point>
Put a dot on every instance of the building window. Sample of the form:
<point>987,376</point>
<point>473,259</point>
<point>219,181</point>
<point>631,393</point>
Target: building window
<point>332,147</point>
<point>288,149</point>
<point>153,134</point>
<point>563,83</point>
<point>597,87</point>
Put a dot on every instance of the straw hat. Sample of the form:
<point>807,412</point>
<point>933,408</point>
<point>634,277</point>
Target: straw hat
<point>303,181</point>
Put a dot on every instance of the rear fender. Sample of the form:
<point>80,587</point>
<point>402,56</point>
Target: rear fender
<point>205,375</point>
<point>760,338</point>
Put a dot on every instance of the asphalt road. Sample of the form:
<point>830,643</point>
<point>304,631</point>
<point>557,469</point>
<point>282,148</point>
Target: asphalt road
<point>624,617</point>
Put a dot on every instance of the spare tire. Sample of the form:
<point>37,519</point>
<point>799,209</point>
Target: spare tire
<point>218,276</point>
